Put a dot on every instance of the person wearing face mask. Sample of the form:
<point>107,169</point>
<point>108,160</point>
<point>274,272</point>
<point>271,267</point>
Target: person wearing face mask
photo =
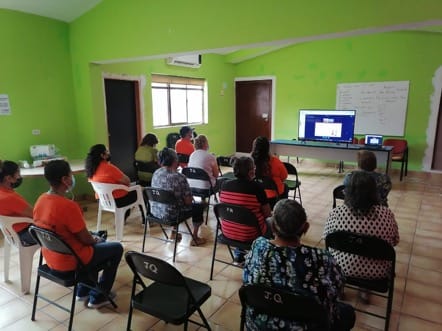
<point>12,203</point>
<point>53,211</point>
<point>99,169</point>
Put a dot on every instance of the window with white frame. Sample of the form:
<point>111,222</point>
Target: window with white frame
<point>178,100</point>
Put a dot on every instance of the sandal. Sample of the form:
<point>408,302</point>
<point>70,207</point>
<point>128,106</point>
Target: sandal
<point>198,242</point>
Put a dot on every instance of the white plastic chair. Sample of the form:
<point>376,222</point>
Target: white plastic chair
<point>107,203</point>
<point>26,253</point>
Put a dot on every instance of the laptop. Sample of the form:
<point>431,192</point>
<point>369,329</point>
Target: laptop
<point>373,141</point>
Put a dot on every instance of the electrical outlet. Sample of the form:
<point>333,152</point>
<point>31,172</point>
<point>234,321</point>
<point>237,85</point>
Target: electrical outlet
<point>35,132</point>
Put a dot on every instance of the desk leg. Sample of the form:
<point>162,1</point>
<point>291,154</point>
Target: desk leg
<point>388,164</point>
<point>341,167</point>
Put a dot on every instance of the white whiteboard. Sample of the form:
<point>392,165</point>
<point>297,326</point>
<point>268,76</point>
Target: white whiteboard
<point>381,107</point>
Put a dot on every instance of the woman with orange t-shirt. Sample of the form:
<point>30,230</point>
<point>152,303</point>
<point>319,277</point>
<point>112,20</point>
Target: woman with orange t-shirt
<point>53,211</point>
<point>99,169</point>
<point>269,166</point>
<point>12,203</point>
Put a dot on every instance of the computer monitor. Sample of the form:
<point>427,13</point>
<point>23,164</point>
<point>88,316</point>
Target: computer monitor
<point>326,125</point>
<point>373,140</point>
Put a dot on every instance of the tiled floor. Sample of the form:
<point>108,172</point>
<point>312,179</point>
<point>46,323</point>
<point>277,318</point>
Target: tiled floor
<point>417,299</point>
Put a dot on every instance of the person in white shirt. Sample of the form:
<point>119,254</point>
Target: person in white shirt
<point>201,158</point>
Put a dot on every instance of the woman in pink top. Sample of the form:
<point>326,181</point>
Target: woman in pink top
<point>269,166</point>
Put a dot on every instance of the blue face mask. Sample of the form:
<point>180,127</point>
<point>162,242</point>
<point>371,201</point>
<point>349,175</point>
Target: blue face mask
<point>73,182</point>
<point>70,188</point>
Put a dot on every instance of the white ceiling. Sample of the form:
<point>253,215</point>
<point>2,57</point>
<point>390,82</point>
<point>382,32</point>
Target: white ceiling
<point>63,10</point>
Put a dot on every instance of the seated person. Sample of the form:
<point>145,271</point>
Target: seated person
<point>12,203</point>
<point>147,154</point>
<point>184,145</point>
<point>244,191</point>
<point>168,178</point>
<point>269,166</point>
<point>287,264</point>
<point>53,211</point>
<point>99,169</point>
<point>367,162</point>
<point>362,213</point>
<point>201,158</point>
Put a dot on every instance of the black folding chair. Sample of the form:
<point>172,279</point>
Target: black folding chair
<point>202,176</point>
<point>298,306</point>
<point>338,194</point>
<point>167,198</point>
<point>145,167</point>
<point>225,161</point>
<point>293,185</point>
<point>183,158</point>
<point>51,241</point>
<point>372,248</point>
<point>171,297</point>
<point>171,139</point>
<point>225,212</point>
<point>269,185</point>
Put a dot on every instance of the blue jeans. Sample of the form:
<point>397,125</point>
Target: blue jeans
<point>106,257</point>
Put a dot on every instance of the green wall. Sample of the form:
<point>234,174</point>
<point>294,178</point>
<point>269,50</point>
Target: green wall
<point>49,68</point>
<point>219,76</point>
<point>117,29</point>
<point>307,75</point>
<point>36,74</point>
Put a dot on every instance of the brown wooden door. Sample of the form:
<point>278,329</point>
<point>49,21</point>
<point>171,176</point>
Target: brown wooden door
<point>253,112</point>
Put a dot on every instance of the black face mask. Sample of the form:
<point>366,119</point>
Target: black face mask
<point>17,183</point>
<point>108,158</point>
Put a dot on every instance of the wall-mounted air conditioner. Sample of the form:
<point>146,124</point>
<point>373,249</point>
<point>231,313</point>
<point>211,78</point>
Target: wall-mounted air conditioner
<point>192,61</point>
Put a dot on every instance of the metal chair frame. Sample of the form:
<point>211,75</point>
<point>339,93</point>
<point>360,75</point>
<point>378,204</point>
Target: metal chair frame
<point>294,305</point>
<point>171,297</point>
<point>168,198</point>
<point>293,185</point>
<point>373,248</point>
<point>51,241</point>
<point>233,214</point>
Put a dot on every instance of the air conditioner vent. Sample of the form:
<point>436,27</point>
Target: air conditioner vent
<point>192,61</point>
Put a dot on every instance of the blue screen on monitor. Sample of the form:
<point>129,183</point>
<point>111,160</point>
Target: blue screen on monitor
<point>326,125</point>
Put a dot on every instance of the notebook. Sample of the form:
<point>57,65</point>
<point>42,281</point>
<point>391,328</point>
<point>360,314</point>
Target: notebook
<point>373,140</point>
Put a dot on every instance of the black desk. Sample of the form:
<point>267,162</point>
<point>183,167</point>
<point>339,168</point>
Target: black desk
<point>329,151</point>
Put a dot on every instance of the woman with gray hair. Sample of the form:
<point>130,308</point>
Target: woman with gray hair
<point>168,178</point>
<point>285,263</point>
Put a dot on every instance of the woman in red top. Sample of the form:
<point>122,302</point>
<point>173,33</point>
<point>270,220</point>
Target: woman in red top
<point>99,169</point>
<point>269,166</point>
<point>12,203</point>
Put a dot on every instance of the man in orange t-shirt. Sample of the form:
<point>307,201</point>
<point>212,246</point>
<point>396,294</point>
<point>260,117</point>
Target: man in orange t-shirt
<point>12,203</point>
<point>53,211</point>
<point>184,145</point>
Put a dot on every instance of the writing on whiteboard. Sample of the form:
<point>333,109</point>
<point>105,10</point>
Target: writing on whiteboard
<point>381,107</point>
